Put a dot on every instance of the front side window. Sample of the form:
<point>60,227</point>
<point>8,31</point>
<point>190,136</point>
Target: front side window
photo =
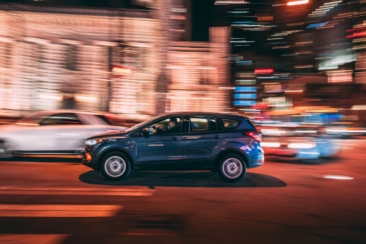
<point>169,125</point>
<point>61,119</point>
<point>203,124</point>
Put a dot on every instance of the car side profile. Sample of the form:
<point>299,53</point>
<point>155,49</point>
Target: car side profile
<point>52,133</point>
<point>227,144</point>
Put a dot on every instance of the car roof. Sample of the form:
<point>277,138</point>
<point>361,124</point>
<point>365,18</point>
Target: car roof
<point>231,115</point>
<point>67,111</point>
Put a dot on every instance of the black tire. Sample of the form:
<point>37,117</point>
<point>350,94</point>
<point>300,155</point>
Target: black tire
<point>231,167</point>
<point>115,166</point>
<point>4,152</point>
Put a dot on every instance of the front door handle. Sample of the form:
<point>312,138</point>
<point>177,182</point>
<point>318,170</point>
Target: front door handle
<point>175,138</point>
<point>215,137</point>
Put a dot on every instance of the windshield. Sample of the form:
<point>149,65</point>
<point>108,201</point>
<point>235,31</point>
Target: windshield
<point>142,124</point>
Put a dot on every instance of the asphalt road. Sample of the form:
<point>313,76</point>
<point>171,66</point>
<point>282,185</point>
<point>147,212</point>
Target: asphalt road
<point>279,202</point>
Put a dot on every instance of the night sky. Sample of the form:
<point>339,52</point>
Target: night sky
<point>202,18</point>
<point>203,11</point>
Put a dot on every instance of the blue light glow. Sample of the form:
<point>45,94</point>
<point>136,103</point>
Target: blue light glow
<point>244,103</point>
<point>245,96</point>
<point>245,89</point>
<point>316,25</point>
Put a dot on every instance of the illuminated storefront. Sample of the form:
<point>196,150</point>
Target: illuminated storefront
<point>99,59</point>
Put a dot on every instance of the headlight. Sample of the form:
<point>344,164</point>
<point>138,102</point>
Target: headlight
<point>270,144</point>
<point>92,142</point>
<point>302,145</point>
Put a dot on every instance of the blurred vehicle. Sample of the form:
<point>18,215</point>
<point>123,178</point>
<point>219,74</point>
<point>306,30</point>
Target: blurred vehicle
<point>345,130</point>
<point>52,133</point>
<point>228,144</point>
<point>298,142</point>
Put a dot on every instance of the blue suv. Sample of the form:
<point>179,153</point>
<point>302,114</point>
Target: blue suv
<point>225,143</point>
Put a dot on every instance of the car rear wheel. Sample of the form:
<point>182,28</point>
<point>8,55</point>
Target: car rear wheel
<point>115,166</point>
<point>231,168</point>
<point>4,152</point>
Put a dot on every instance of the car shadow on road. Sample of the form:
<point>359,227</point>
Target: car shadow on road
<point>322,161</point>
<point>182,179</point>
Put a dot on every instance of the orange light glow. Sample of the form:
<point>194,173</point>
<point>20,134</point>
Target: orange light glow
<point>358,34</point>
<point>88,157</point>
<point>297,2</point>
<point>121,71</point>
<point>263,71</point>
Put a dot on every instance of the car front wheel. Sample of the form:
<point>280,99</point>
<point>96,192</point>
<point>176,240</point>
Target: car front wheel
<point>231,168</point>
<point>115,166</point>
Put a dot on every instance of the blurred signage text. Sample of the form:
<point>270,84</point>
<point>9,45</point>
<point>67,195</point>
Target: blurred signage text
<point>119,70</point>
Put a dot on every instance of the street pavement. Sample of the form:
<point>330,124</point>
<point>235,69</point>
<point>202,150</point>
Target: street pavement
<point>283,201</point>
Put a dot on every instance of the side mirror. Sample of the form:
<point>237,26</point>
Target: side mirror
<point>145,132</point>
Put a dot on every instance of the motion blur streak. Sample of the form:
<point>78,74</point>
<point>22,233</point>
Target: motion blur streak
<point>33,238</point>
<point>338,177</point>
<point>42,210</point>
<point>297,2</point>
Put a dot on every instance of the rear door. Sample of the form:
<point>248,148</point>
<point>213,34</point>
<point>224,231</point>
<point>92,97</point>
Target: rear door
<point>204,133</point>
<point>66,131</point>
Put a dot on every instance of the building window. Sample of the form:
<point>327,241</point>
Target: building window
<point>130,56</point>
<point>71,57</point>
<point>5,54</point>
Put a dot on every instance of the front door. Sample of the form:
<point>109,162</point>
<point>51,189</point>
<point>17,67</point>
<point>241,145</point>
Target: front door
<point>163,148</point>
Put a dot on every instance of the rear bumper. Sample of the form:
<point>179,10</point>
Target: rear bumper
<point>256,161</point>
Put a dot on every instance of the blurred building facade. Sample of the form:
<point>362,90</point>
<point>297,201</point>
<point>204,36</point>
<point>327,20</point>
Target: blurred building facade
<point>123,61</point>
<point>297,55</point>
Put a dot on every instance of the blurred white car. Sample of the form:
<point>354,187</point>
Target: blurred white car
<point>58,133</point>
<point>298,142</point>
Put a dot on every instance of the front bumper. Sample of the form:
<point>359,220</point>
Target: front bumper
<point>88,159</point>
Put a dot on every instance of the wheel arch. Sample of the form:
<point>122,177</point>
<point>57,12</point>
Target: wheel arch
<point>231,151</point>
<point>109,150</point>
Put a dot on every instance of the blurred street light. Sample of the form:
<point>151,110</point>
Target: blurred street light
<point>297,2</point>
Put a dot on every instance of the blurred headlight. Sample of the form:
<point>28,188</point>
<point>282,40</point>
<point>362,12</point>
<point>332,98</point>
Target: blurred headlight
<point>302,145</point>
<point>270,144</point>
<point>92,142</point>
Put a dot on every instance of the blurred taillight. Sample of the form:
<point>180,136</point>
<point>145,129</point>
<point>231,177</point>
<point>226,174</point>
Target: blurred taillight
<point>256,136</point>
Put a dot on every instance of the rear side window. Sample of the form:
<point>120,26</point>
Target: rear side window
<point>230,124</point>
<point>201,124</point>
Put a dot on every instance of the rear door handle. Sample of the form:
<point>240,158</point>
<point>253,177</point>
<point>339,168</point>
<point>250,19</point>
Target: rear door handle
<point>175,138</point>
<point>215,137</point>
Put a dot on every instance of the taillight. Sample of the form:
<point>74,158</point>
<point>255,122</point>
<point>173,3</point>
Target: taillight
<point>256,136</point>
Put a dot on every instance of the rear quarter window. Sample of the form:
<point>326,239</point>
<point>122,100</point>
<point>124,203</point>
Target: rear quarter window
<point>242,124</point>
<point>229,124</point>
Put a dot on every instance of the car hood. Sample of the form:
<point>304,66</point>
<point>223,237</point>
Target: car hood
<point>114,134</point>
